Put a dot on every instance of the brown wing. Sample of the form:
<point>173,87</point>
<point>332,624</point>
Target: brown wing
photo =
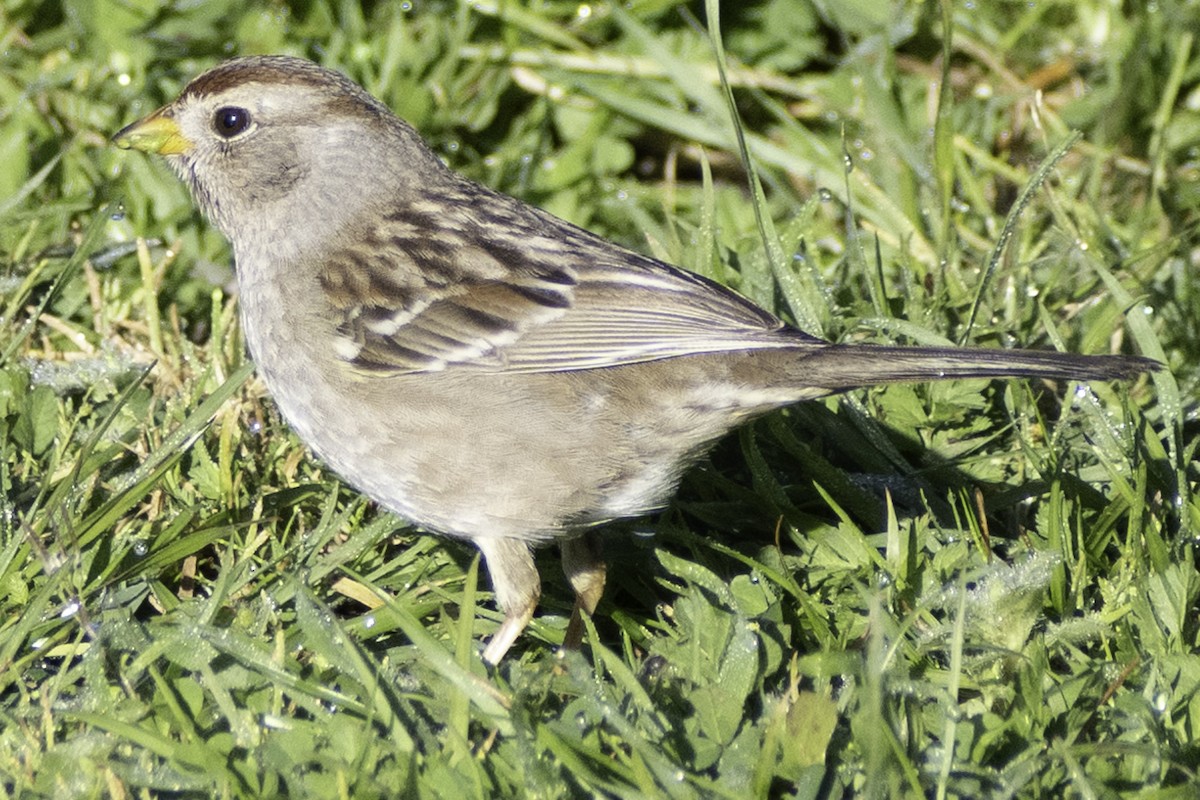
<point>506,287</point>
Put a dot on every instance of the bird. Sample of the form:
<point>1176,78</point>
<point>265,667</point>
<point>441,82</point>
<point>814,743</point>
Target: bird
<point>476,365</point>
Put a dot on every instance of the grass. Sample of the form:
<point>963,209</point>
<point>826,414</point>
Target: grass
<point>951,590</point>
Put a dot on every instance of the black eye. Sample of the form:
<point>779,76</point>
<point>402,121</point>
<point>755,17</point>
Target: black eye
<point>230,121</point>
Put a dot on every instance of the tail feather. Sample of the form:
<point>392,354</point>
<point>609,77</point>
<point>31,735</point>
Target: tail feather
<point>841,366</point>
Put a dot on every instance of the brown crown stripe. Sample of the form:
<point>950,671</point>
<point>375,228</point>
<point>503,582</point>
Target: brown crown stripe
<point>282,70</point>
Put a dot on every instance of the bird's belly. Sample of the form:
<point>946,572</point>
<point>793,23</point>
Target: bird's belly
<point>472,457</point>
<point>473,454</point>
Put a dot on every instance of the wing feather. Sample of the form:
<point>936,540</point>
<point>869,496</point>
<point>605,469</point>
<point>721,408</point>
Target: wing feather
<point>508,287</point>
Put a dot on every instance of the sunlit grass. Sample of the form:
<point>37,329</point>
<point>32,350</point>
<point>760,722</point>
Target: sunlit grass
<point>955,590</point>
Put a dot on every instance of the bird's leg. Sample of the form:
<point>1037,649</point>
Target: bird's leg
<point>583,564</point>
<point>517,586</point>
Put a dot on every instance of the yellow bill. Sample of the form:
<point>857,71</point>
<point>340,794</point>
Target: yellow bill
<point>153,134</point>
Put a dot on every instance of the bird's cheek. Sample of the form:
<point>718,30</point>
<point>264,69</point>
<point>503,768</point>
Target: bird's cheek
<point>276,174</point>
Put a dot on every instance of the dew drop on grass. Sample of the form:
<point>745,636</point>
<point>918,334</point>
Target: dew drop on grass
<point>64,377</point>
<point>369,621</point>
<point>275,722</point>
<point>825,195</point>
<point>140,549</point>
<point>70,609</point>
<point>653,667</point>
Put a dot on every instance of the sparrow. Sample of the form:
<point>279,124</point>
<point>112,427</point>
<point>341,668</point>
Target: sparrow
<point>472,363</point>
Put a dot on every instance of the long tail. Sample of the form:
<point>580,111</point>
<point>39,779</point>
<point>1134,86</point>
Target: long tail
<point>842,366</point>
